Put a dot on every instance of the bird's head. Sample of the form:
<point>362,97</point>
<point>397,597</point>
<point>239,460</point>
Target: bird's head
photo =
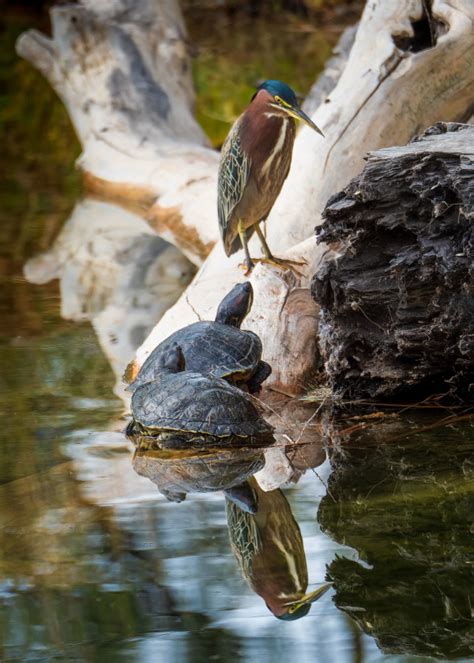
<point>284,100</point>
<point>301,606</point>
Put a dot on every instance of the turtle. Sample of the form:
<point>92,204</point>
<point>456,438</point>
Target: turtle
<point>182,409</point>
<point>179,472</point>
<point>219,348</point>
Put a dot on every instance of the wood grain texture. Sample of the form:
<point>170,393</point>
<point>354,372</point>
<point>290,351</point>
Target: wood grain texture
<point>397,304</point>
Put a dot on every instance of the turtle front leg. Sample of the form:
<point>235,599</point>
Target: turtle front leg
<point>262,372</point>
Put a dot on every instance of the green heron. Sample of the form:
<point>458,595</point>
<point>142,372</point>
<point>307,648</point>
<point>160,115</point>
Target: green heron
<point>269,549</point>
<point>255,161</point>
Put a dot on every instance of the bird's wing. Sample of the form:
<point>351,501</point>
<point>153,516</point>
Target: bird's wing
<point>234,171</point>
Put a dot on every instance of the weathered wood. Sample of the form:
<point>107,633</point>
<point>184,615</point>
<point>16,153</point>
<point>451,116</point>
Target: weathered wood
<point>385,95</point>
<point>396,83</point>
<point>397,304</point>
<point>327,81</point>
<point>123,72</point>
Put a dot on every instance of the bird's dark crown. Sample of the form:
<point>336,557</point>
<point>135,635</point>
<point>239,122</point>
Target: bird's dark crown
<point>280,89</point>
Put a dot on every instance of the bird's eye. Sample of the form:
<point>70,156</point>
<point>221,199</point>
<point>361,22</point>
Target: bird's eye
<point>282,102</point>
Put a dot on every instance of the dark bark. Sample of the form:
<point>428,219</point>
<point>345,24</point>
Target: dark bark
<point>397,308</point>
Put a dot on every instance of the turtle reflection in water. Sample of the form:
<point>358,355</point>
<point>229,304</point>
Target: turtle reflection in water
<point>219,348</point>
<point>179,472</point>
<point>182,409</point>
<point>270,552</point>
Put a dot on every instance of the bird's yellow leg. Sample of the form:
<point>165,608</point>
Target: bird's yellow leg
<point>243,240</point>
<point>265,248</point>
<point>270,258</point>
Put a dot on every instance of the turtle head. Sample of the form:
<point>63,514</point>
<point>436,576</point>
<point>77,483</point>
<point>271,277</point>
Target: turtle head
<point>172,360</point>
<point>172,495</point>
<point>235,305</point>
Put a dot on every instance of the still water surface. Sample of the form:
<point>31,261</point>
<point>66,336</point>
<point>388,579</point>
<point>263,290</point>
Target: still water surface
<point>97,565</point>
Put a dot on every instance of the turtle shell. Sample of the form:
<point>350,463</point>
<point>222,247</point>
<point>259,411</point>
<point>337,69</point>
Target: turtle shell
<point>208,347</point>
<point>189,402</point>
<point>177,472</point>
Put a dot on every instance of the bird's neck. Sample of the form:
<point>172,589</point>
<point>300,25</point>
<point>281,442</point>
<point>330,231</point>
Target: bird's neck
<point>265,125</point>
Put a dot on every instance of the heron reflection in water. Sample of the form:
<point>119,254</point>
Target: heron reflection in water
<point>269,549</point>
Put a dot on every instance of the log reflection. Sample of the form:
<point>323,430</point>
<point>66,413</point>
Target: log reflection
<point>114,272</point>
<point>405,503</point>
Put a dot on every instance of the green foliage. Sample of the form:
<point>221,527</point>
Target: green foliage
<point>235,56</point>
<point>39,149</point>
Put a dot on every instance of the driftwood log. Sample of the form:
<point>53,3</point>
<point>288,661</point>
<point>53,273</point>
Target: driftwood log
<point>398,71</point>
<point>397,303</point>
<point>123,71</point>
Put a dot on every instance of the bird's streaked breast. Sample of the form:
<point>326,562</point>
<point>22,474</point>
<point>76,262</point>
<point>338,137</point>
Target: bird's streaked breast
<point>276,158</point>
<point>277,148</point>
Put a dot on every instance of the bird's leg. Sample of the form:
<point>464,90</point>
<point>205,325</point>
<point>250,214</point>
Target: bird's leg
<point>243,239</point>
<point>270,258</point>
<point>266,249</point>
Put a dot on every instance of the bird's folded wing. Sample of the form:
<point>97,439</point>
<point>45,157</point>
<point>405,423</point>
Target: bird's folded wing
<point>234,171</point>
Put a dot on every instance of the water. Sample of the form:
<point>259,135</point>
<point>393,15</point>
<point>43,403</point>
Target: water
<point>96,563</point>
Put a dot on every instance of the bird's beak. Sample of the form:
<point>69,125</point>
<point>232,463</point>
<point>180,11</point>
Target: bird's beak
<point>299,114</point>
<point>311,597</point>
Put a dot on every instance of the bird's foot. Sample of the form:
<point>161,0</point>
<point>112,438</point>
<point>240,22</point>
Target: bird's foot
<point>283,263</point>
<point>248,266</point>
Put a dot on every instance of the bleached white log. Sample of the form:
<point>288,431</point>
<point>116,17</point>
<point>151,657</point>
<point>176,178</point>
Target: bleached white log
<point>120,75</point>
<point>384,97</point>
<point>123,72</point>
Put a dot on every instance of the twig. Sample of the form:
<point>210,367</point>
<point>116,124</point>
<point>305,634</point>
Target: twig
<point>265,405</point>
<point>307,423</point>
<point>444,422</point>
<point>324,484</point>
